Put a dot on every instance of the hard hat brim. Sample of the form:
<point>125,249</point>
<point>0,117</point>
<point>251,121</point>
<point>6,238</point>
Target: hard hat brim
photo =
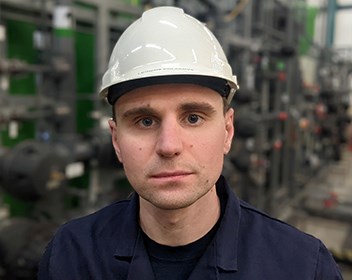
<point>219,85</point>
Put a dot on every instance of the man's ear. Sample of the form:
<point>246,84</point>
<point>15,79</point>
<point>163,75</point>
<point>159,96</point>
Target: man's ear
<point>113,131</point>
<point>229,130</point>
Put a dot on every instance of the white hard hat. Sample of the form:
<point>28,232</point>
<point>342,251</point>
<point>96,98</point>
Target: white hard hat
<point>167,46</point>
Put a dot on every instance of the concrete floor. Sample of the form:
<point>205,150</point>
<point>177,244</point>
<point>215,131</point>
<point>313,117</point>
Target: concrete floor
<point>325,210</point>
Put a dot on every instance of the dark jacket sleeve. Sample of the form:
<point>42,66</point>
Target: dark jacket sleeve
<point>327,268</point>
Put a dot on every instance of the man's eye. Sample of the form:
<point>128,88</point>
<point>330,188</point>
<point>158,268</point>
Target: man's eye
<point>193,118</point>
<point>146,122</point>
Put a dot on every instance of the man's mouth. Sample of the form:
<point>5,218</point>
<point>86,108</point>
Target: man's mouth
<point>171,175</point>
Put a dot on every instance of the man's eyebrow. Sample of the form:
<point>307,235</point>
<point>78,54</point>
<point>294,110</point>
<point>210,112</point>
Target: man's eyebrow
<point>198,106</point>
<point>185,107</point>
<point>138,111</point>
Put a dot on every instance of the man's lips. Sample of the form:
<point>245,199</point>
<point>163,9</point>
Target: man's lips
<point>174,174</point>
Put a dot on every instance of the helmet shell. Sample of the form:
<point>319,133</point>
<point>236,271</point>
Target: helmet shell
<point>166,42</point>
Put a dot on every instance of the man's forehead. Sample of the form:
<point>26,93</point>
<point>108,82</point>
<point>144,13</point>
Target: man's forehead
<point>169,93</point>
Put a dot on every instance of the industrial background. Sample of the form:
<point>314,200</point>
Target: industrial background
<point>292,154</point>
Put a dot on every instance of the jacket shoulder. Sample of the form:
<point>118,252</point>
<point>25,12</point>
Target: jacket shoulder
<point>271,241</point>
<point>273,227</point>
<point>108,217</point>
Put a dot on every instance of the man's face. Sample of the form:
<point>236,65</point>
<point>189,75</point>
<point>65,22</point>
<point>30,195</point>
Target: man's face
<point>171,140</point>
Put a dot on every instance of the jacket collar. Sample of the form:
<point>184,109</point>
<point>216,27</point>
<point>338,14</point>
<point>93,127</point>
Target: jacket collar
<point>130,249</point>
<point>129,231</point>
<point>228,233</point>
<point>226,238</point>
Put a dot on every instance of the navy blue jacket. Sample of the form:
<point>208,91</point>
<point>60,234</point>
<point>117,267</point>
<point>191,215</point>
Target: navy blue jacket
<point>248,245</point>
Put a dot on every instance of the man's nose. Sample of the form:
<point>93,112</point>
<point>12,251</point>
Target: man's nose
<point>169,141</point>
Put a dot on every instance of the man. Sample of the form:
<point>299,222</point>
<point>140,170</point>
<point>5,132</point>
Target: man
<point>170,86</point>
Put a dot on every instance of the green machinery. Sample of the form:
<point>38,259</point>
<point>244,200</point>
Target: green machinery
<point>52,56</point>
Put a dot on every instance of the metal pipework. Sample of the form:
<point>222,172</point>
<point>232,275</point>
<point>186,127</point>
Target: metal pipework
<point>16,66</point>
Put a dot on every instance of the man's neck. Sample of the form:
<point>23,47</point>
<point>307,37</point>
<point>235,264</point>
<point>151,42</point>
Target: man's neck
<point>181,226</point>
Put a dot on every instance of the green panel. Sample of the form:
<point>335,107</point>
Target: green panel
<point>81,182</point>
<point>85,69</point>
<point>306,42</point>
<point>64,32</point>
<point>18,208</point>
<point>25,131</point>
<point>84,120</point>
<point>20,46</point>
<point>85,54</point>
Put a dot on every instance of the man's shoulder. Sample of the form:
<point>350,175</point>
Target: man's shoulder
<point>279,245</point>
<point>104,219</point>
<point>259,223</point>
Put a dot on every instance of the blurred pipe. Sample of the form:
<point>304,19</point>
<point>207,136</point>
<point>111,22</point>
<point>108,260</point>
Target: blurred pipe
<point>239,8</point>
